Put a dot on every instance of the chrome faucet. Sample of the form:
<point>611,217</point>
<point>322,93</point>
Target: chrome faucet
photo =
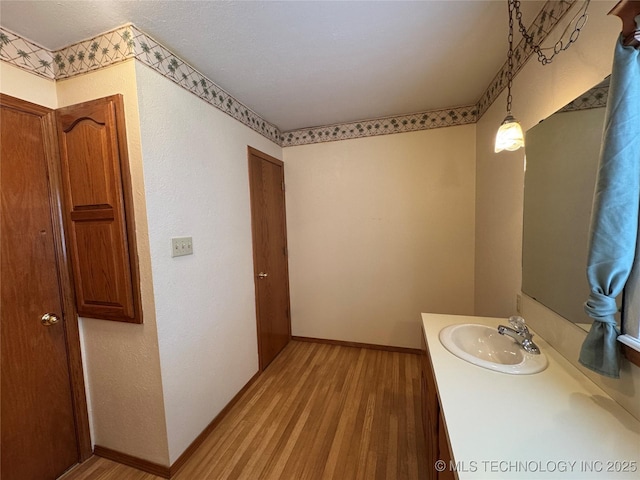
<point>520,333</point>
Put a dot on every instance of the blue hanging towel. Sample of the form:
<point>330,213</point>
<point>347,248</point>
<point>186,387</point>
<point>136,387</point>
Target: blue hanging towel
<point>614,218</point>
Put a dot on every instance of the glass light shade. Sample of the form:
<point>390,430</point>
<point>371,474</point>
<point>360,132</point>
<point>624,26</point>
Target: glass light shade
<point>510,136</point>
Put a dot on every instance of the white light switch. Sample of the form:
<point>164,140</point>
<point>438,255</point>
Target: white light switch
<point>181,246</point>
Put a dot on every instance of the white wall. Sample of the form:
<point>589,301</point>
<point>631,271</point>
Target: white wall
<point>538,92</point>
<point>27,86</point>
<point>197,184</point>
<point>122,362</point>
<point>380,229</point>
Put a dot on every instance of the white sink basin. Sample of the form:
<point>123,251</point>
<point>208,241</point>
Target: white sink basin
<point>485,347</point>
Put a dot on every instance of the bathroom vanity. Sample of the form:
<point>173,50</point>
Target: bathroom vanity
<point>486,424</point>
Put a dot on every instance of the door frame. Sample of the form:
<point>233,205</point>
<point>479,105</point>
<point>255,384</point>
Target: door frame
<point>280,163</point>
<point>67,293</point>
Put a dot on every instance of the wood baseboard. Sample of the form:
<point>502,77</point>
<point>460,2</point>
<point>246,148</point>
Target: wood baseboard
<point>342,343</point>
<point>131,461</point>
<point>182,459</point>
<point>164,471</point>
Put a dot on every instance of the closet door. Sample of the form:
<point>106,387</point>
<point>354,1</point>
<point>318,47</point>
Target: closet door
<point>268,220</point>
<point>98,209</point>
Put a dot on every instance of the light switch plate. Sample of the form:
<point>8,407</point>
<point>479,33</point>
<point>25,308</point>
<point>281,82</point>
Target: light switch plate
<point>181,246</point>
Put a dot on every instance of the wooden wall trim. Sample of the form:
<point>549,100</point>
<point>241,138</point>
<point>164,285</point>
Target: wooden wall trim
<point>627,11</point>
<point>630,354</point>
<point>131,461</point>
<point>182,459</point>
<point>342,343</point>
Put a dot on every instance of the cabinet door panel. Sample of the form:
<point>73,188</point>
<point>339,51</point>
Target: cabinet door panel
<point>91,182</point>
<point>98,210</point>
<point>103,280</point>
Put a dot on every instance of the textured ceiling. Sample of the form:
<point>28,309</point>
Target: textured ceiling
<point>303,64</point>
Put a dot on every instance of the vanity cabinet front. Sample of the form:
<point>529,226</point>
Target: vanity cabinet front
<point>438,451</point>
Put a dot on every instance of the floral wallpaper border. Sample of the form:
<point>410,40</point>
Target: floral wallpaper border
<point>124,43</point>
<point>128,42</point>
<point>103,50</point>
<point>546,20</point>
<point>596,97</point>
<point>381,126</point>
<point>25,54</point>
<point>153,54</point>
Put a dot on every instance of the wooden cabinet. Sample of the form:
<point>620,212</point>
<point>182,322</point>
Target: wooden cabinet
<point>98,209</point>
<point>435,429</point>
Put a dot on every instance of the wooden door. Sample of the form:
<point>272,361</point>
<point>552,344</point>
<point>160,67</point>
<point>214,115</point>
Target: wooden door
<point>39,421</point>
<point>266,179</point>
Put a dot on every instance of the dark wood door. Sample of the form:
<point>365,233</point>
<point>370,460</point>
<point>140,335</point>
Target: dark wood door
<point>266,178</point>
<point>38,432</point>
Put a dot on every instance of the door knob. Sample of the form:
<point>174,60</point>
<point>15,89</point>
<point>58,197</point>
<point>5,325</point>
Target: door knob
<point>263,275</point>
<point>49,319</point>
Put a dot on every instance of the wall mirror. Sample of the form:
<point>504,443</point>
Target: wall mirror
<point>562,154</point>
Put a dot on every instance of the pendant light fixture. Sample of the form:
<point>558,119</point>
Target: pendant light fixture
<point>510,136</point>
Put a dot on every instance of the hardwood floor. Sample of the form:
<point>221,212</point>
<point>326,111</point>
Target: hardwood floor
<point>317,412</point>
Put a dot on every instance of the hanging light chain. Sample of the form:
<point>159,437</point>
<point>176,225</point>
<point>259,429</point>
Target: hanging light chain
<point>560,45</point>
<point>510,57</point>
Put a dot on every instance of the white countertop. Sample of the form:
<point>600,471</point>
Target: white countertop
<point>555,424</point>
